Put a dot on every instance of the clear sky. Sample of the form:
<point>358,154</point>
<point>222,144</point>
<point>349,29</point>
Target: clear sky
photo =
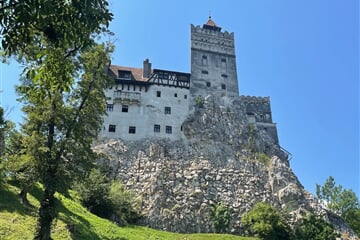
<point>303,54</point>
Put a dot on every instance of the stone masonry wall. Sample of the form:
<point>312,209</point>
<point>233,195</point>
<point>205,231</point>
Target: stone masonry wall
<point>220,160</point>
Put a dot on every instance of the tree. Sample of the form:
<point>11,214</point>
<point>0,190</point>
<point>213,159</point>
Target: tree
<point>315,228</point>
<point>266,222</point>
<point>17,163</point>
<point>62,86</point>
<point>124,203</point>
<point>221,217</point>
<point>341,201</point>
<point>94,193</point>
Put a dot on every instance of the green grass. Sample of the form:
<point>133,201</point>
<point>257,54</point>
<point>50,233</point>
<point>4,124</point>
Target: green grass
<point>19,222</point>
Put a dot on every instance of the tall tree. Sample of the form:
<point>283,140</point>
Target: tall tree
<point>62,86</point>
<point>343,202</point>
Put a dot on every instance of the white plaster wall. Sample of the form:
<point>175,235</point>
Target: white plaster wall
<point>148,112</point>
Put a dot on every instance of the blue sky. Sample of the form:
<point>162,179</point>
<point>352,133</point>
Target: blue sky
<point>303,54</point>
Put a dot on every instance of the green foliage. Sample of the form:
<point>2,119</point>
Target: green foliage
<point>199,101</point>
<point>124,203</point>
<point>62,85</point>
<point>342,201</point>
<point>263,158</point>
<point>94,193</point>
<point>315,228</point>
<point>221,217</point>
<point>75,222</point>
<point>27,25</point>
<point>352,217</point>
<point>108,199</point>
<point>265,222</point>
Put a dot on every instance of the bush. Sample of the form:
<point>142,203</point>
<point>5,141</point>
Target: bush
<point>124,203</point>
<point>108,199</point>
<point>94,194</point>
<point>265,222</point>
<point>221,217</point>
<point>313,227</point>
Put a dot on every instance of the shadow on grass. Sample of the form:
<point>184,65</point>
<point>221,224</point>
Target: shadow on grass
<point>78,226</point>
<point>10,201</point>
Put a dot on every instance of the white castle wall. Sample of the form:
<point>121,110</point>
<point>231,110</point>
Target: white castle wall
<point>145,111</point>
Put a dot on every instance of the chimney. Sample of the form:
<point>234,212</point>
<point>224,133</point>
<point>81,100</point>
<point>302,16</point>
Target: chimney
<point>146,68</point>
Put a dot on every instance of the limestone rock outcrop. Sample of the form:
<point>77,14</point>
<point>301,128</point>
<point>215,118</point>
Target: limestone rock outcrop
<point>222,158</point>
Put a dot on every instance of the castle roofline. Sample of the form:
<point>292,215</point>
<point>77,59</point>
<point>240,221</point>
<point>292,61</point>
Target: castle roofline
<point>137,73</point>
<point>210,24</point>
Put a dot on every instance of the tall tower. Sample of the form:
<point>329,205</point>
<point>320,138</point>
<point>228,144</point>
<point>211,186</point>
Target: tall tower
<point>213,62</point>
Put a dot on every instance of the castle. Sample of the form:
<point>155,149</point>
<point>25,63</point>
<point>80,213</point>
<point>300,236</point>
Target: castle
<point>147,103</point>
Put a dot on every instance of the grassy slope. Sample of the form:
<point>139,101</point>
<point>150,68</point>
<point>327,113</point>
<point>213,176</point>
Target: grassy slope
<point>18,222</point>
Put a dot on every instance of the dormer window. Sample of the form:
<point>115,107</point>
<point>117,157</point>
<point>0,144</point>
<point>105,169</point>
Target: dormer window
<point>124,75</point>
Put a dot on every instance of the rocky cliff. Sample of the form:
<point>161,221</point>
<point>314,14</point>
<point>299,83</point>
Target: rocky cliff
<point>222,158</point>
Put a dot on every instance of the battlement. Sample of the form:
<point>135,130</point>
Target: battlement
<point>255,99</point>
<point>219,34</point>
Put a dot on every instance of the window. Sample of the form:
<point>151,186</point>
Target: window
<point>204,60</point>
<point>168,129</point>
<point>224,76</point>
<point>109,107</point>
<point>156,128</point>
<point>124,74</point>
<point>112,128</point>
<point>158,93</point>
<point>175,94</point>
<point>167,110</point>
<point>223,86</point>
<point>125,108</point>
<point>223,62</point>
<point>204,72</point>
<point>208,84</point>
<point>185,96</point>
<point>132,130</point>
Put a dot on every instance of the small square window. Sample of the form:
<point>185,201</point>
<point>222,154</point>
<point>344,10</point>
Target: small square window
<point>223,86</point>
<point>223,60</point>
<point>224,75</point>
<point>109,107</point>
<point>168,129</point>
<point>204,72</point>
<point>112,128</point>
<point>125,108</point>
<point>132,130</point>
<point>175,94</point>
<point>158,93</point>
<point>208,84</point>
<point>185,96</point>
<point>167,110</point>
<point>156,128</point>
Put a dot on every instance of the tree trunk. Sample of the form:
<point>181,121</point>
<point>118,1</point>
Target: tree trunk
<point>46,216</point>
<point>23,196</point>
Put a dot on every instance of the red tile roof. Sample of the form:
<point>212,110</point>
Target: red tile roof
<point>137,73</point>
<point>210,22</point>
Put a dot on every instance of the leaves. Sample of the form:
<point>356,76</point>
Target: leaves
<point>342,201</point>
<point>265,222</point>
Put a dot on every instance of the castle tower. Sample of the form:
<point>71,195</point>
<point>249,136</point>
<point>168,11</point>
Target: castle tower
<point>213,63</point>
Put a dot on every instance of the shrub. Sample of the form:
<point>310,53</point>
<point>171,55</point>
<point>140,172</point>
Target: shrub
<point>221,217</point>
<point>265,222</point>
<point>313,227</point>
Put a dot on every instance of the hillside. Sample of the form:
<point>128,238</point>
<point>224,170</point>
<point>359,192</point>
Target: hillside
<point>222,159</point>
<point>74,221</point>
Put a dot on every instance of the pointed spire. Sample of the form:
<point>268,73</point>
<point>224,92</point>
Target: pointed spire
<point>210,24</point>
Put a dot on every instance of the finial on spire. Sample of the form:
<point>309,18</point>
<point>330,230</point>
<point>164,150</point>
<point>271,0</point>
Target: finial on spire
<point>210,24</point>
